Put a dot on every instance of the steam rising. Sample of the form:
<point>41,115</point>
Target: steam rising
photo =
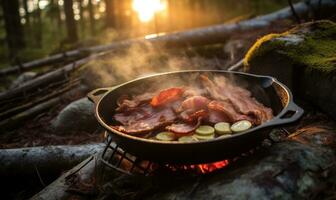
<point>142,60</point>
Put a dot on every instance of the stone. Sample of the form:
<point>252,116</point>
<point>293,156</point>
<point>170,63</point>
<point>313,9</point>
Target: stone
<point>24,77</point>
<point>303,58</point>
<point>75,117</point>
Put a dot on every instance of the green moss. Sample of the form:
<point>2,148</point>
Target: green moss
<point>312,45</point>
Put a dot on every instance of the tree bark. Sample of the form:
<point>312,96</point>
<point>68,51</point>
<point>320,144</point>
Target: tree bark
<point>70,21</point>
<point>14,30</point>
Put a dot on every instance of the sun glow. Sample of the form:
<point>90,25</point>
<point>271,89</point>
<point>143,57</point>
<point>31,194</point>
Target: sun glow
<point>146,9</point>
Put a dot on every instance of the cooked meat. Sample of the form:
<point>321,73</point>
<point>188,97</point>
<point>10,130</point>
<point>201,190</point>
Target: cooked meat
<point>215,116</point>
<point>192,115</point>
<point>166,96</point>
<point>195,103</point>
<point>124,104</point>
<point>156,119</point>
<point>138,113</point>
<point>239,98</point>
<point>181,109</point>
<point>184,128</point>
<point>226,108</point>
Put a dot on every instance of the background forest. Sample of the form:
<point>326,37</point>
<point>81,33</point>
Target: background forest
<point>31,29</point>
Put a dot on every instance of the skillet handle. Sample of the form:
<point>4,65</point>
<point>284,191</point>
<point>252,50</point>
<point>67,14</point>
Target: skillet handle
<point>291,114</point>
<point>96,95</point>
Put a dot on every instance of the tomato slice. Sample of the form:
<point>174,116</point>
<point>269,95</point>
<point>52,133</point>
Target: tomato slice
<point>166,96</point>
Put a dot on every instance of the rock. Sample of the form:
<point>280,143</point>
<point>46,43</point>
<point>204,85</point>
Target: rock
<point>24,77</point>
<point>77,116</point>
<point>303,58</point>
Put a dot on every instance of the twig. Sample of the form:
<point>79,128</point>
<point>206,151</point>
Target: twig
<point>236,66</point>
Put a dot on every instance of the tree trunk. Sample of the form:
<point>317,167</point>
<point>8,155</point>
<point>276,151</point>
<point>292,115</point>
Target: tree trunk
<point>38,26</point>
<point>109,13</point>
<point>91,17</point>
<point>14,30</point>
<point>27,14</point>
<point>70,21</point>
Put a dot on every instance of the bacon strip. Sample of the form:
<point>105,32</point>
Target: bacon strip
<point>184,128</point>
<point>166,96</point>
<point>227,110</point>
<point>155,120</point>
<point>235,99</point>
<point>124,104</point>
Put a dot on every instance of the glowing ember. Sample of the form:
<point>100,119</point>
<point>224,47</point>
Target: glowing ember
<point>146,9</point>
<point>201,168</point>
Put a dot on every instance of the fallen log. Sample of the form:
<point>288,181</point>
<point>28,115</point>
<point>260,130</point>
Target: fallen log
<point>45,160</point>
<point>85,171</point>
<point>199,36</point>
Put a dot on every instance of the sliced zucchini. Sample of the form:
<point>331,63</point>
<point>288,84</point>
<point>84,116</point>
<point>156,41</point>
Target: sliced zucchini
<point>188,138</point>
<point>241,126</point>
<point>205,137</point>
<point>223,128</point>
<point>205,130</point>
<point>165,136</point>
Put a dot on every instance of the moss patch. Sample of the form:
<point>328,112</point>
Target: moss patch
<point>312,45</point>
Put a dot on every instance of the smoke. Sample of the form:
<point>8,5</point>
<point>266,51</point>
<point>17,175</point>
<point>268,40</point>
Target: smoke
<point>141,60</point>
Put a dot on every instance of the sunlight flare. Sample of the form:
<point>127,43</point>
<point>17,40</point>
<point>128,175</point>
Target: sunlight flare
<point>146,9</point>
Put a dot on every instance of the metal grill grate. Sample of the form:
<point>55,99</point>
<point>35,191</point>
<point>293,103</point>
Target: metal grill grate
<point>118,159</point>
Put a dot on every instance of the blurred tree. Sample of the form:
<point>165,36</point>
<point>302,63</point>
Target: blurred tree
<point>13,26</point>
<point>27,14</point>
<point>38,25</point>
<point>91,17</point>
<point>110,15</point>
<point>54,11</point>
<point>70,21</point>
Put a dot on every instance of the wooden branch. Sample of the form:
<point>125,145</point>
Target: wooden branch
<point>16,120</point>
<point>24,162</point>
<point>34,102</point>
<point>45,79</point>
<point>199,36</point>
<point>61,57</point>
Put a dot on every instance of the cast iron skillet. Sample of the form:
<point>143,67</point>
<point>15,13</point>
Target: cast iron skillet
<point>265,89</point>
